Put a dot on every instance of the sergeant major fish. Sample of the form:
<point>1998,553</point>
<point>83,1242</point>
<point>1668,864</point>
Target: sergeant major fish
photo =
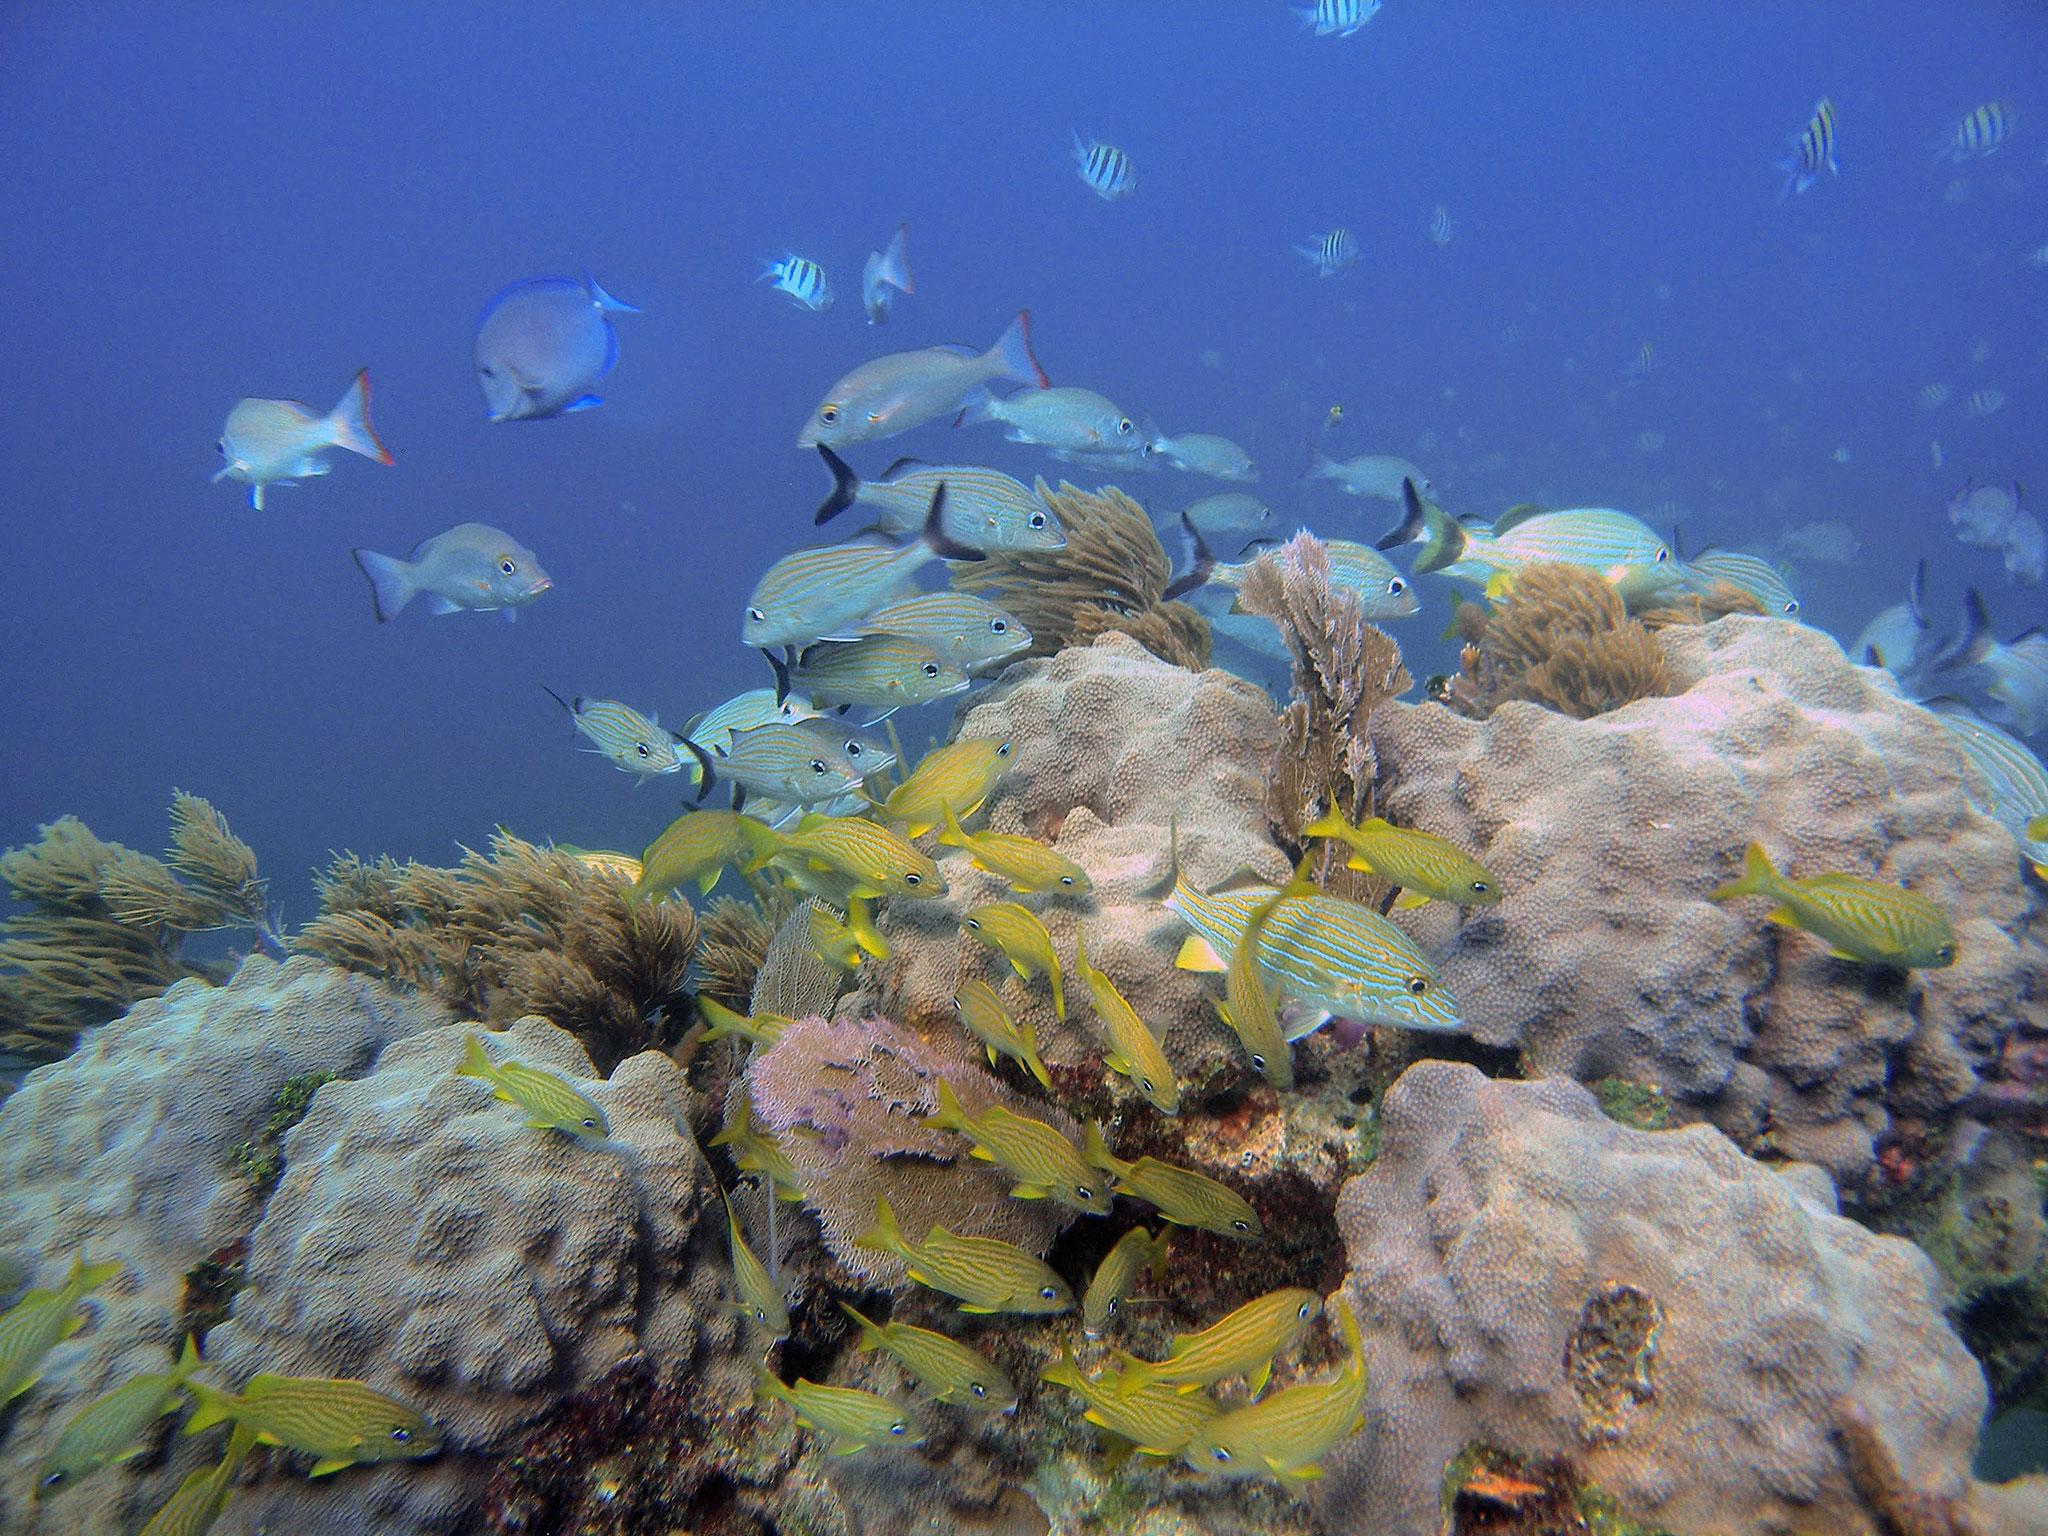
<point>985,508</point>
<point>543,345</point>
<point>802,279</point>
<point>905,389</point>
<point>1106,169</point>
<point>268,442</point>
<point>1337,18</point>
<point>886,274</point>
<point>1816,149</point>
<point>472,568</point>
<point>1331,253</point>
<point>1982,132</point>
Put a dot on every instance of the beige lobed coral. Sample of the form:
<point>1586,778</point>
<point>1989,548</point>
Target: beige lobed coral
<point>1672,1319</point>
<point>1606,960</point>
<point>126,1150</point>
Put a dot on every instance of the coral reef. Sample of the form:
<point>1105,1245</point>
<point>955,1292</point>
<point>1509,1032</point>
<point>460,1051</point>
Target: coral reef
<point>732,942</point>
<point>1669,1317</point>
<point>1605,960</point>
<point>522,930</point>
<point>1562,638</point>
<point>105,925</point>
<point>1109,578</point>
<point>125,1150</point>
<point>843,1103</point>
<point>1344,667</point>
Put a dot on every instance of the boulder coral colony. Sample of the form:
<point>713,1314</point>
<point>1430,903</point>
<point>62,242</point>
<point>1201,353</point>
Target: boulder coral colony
<point>1735,1287</point>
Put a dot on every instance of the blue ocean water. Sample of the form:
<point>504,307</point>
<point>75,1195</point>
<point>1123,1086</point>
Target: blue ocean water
<point>211,201</point>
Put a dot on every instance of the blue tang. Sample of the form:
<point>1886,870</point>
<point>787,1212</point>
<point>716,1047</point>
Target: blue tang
<point>543,345</point>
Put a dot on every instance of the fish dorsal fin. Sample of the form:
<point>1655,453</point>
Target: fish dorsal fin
<point>904,466</point>
<point>1521,512</point>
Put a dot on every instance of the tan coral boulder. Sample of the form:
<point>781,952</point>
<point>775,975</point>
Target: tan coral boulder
<point>1673,1319</point>
<point>1606,959</point>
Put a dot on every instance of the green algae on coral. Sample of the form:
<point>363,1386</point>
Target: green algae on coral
<point>260,1160</point>
<point>1642,1105</point>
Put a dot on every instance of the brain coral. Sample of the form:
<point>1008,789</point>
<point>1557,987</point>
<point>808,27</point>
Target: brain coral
<point>1606,959</point>
<point>125,1150</point>
<point>1111,747</point>
<point>1672,1317</point>
<point>426,1239</point>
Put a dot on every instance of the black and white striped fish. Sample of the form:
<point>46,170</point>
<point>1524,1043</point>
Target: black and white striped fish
<point>1107,169</point>
<point>1816,149</point>
<point>1331,253</point>
<point>1981,133</point>
<point>802,279</point>
<point>1337,18</point>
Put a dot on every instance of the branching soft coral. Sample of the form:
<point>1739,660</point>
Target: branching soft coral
<point>1110,576</point>
<point>1344,668</point>
<point>1563,638</point>
<point>106,925</point>
<point>521,930</point>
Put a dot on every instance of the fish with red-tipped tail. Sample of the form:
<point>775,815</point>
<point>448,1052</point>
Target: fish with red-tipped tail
<point>273,442</point>
<point>886,275</point>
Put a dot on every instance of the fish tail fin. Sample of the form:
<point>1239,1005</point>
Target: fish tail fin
<point>870,1330</point>
<point>1442,537</point>
<point>949,1116</point>
<point>1096,1151</point>
<point>935,537</point>
<point>391,583</point>
<point>860,922</point>
<point>1059,989</point>
<point>952,834</point>
<point>723,1021</point>
<point>1202,565</point>
<point>1330,824</point>
<point>845,486</point>
<point>763,841</point>
<point>1978,637</point>
<point>348,424</point>
<point>706,777</point>
<point>1794,182</point>
<point>768,1387</point>
<point>188,1359</point>
<point>1132,1374</point>
<point>1354,1338</point>
<point>1035,1064</point>
<point>885,1235</point>
<point>1759,877</point>
<point>1319,463</point>
<point>1916,594</point>
<point>895,268</point>
<point>1012,358</point>
<point>779,665</point>
<point>210,1406</point>
<point>475,1062</point>
<point>604,300</point>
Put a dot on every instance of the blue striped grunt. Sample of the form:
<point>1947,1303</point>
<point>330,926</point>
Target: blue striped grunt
<point>2013,786</point>
<point>1624,549</point>
<point>1816,148</point>
<point>1331,253</point>
<point>1871,921</point>
<point>630,741</point>
<point>1136,1251</point>
<point>802,279</point>
<point>757,706</point>
<point>338,1422</point>
<point>985,508</point>
<point>892,394</point>
<point>1107,169</point>
<point>1180,1195</point>
<point>803,762</point>
<point>111,1426</point>
<point>1746,573</point>
<point>985,1273</point>
<point>551,1104</point>
<point>1982,132</point>
<point>1242,1343</point>
<point>817,593</point>
<point>1382,591</point>
<point>1157,1421</point>
<point>959,777</point>
<point>950,1371</point>
<point>1133,1049</point>
<point>42,1320</point>
<point>851,1419</point>
<point>963,630</point>
<point>983,1016</point>
<point>1030,866</point>
<point>1286,1434</point>
<point>1040,1158</point>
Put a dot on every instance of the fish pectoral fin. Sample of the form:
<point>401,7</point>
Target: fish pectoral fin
<point>1198,954</point>
<point>331,1464</point>
<point>1783,918</point>
<point>1302,1474</point>
<point>1411,899</point>
<point>1843,954</point>
<point>1260,1377</point>
<point>1116,1061</point>
<point>440,605</point>
<point>977,1309</point>
<point>583,403</point>
<point>1026,1192</point>
<point>983,1154</point>
<point>848,1447</point>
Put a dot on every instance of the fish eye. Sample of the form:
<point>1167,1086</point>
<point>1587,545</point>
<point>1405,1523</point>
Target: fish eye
<point>402,1435</point>
<point>507,566</point>
<point>589,1124</point>
<point>999,626</point>
<point>1418,985</point>
<point>1302,1311</point>
<point>818,765</point>
<point>874,418</point>
<point>1114,1303</point>
<point>1048,1293</point>
<point>1396,587</point>
<point>1946,953</point>
<point>1125,427</point>
<point>1259,1062</point>
<point>828,414</point>
<point>1220,1454</point>
<point>913,879</point>
<point>1145,1083</point>
<point>1240,1226</point>
<point>643,749</point>
<point>1480,887</point>
<point>1003,750</point>
<point>1793,606</point>
<point>974,923</point>
<point>1066,879</point>
<point>220,444</point>
<point>977,1389</point>
<point>930,669</point>
<point>956,1005</point>
<point>1084,1191</point>
<point>854,749</point>
<point>756,615</point>
<point>54,1479</point>
<point>1037,520</point>
<point>1662,556</point>
<point>899,1428</point>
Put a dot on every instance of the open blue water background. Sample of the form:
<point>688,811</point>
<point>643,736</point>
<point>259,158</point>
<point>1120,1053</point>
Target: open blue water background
<point>207,201</point>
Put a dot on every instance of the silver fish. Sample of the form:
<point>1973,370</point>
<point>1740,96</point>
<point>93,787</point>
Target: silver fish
<point>886,274</point>
<point>958,627</point>
<point>1204,453</point>
<point>882,671</point>
<point>818,593</point>
<point>1370,474</point>
<point>632,742</point>
<point>472,568</point>
<point>266,442</point>
<point>1228,515</point>
<point>905,389</point>
<point>985,508</point>
<point>795,763</point>
<point>1073,419</point>
<point>543,345</point>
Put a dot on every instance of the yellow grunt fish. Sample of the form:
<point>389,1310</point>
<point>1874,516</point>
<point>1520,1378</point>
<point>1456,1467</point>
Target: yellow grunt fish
<point>693,850</point>
<point>1243,1343</point>
<point>1041,1160</point>
<point>1865,920</point>
<point>983,1016</point>
<point>959,776</point>
<point>874,859</point>
<point>985,1273</point>
<point>42,1320</point>
<point>760,1297</point>
<point>548,1099</point>
<point>1287,1433</point>
<point>110,1428</point>
<point>834,940</point>
<point>946,1368</point>
<point>1027,864</point>
<point>1133,1049</point>
<point>1180,1195</point>
<point>1015,933</point>
<point>1118,1273</point>
<point>1157,1421</point>
<point>204,1493</point>
<point>1426,867</point>
<point>1250,1007</point>
<point>755,1151</point>
<point>851,1419</point>
<point>762,1029</point>
<point>340,1423</point>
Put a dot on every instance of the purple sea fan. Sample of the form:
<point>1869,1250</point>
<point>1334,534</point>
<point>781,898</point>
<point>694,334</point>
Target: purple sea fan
<point>844,1100</point>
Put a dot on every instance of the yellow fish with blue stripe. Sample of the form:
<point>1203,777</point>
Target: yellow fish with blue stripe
<point>762,1029</point>
<point>754,1150</point>
<point>1242,1343</point>
<point>551,1104</point>
<point>1286,1434</point>
<point>1029,866</point>
<point>1133,1049</point>
<point>42,1320</point>
<point>950,1371</point>
<point>761,1300</point>
<point>1156,1421</point>
<point>1866,920</point>
<point>1250,1008</point>
<point>875,860</point>
<point>1425,866</point>
<point>986,1274</point>
<point>1180,1195</point>
<point>983,1016</point>
<point>1117,1275</point>
<point>1041,1159</point>
<point>200,1498</point>
<point>338,1422</point>
<point>852,1420</point>
<point>630,741</point>
<point>110,1428</point>
<point>958,777</point>
<point>1016,933</point>
<point>693,850</point>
